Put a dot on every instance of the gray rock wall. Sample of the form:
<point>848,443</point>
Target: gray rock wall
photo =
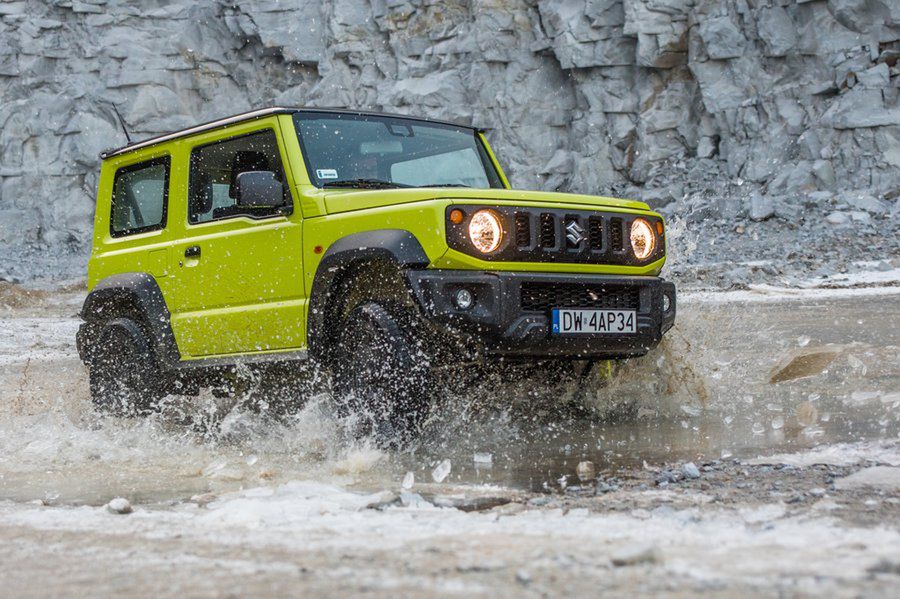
<point>666,100</point>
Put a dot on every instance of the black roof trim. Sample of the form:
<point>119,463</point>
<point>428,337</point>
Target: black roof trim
<point>258,114</point>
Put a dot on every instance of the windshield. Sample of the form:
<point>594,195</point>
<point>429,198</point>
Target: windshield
<point>350,150</point>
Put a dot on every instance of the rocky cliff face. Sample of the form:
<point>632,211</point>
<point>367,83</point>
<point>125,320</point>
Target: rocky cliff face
<point>733,108</point>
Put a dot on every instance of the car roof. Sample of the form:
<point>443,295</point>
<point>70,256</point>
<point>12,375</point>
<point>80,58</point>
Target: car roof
<point>258,114</point>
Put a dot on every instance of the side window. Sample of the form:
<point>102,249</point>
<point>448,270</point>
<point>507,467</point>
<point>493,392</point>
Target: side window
<point>214,171</point>
<point>140,198</point>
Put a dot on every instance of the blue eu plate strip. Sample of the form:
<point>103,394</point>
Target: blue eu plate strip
<point>556,321</point>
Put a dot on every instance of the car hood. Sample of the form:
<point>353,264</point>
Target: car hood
<point>346,200</point>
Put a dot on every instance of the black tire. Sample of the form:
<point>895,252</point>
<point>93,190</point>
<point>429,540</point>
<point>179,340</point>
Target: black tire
<point>382,378</point>
<point>125,379</point>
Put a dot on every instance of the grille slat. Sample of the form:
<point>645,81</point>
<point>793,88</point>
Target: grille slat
<point>548,230</point>
<point>523,229</point>
<point>541,297</point>
<point>595,232</point>
<point>615,234</point>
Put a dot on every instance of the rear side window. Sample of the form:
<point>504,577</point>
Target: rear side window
<point>140,197</point>
<point>214,171</point>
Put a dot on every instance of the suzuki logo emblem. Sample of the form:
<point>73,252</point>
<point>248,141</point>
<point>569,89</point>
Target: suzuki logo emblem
<point>574,233</point>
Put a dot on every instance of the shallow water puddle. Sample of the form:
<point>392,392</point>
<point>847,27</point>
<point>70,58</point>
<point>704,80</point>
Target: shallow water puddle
<point>706,394</point>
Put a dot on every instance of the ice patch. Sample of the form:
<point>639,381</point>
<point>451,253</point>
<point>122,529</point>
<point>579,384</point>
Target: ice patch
<point>886,478</point>
<point>869,283</point>
<point>840,454</point>
<point>358,460</point>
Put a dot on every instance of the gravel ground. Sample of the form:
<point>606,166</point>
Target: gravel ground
<point>717,482</point>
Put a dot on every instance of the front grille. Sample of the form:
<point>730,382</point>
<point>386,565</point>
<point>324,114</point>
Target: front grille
<point>523,229</point>
<point>548,230</point>
<point>559,235</point>
<point>541,297</point>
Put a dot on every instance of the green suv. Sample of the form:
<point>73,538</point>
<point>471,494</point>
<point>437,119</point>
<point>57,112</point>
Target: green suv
<point>379,246</point>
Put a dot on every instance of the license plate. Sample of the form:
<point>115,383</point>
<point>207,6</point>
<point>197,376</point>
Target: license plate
<point>612,322</point>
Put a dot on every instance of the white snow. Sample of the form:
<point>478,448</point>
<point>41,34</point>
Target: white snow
<point>304,516</point>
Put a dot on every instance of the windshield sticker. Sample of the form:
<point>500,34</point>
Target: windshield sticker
<point>326,173</point>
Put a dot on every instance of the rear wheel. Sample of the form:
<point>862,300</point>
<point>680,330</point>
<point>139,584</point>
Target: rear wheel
<point>125,379</point>
<point>382,378</point>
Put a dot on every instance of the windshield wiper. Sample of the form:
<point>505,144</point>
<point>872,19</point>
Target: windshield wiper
<point>364,184</point>
<point>446,185</point>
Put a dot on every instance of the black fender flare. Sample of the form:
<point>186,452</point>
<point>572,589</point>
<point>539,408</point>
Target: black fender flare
<point>140,292</point>
<point>396,246</point>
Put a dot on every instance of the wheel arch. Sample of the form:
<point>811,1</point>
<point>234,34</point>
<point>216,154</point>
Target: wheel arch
<point>398,248</point>
<point>134,294</point>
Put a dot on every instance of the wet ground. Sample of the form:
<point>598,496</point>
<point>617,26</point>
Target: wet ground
<point>811,379</point>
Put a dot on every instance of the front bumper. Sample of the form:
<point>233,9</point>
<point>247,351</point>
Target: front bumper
<point>510,318</point>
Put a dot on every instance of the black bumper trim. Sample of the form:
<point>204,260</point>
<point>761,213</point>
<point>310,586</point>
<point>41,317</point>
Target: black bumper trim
<point>500,323</point>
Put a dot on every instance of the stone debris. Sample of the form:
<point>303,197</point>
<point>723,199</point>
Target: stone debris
<point>761,207</point>
<point>119,505</point>
<point>471,504</point>
<point>586,471</point>
<point>690,470</point>
<point>736,114</point>
<point>384,500</point>
<point>635,555</point>
<point>838,218</point>
<point>541,501</point>
<point>886,566</point>
<point>203,499</point>
<point>607,486</point>
<point>666,477</point>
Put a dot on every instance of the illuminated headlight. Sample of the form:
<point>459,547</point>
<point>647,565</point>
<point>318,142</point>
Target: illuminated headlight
<point>643,239</point>
<point>485,231</point>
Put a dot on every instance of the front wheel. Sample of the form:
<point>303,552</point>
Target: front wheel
<point>124,377</point>
<point>382,378</point>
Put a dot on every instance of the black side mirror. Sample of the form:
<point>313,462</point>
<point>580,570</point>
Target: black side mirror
<point>260,189</point>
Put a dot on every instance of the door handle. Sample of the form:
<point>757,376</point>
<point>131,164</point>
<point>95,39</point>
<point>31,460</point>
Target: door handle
<point>192,251</point>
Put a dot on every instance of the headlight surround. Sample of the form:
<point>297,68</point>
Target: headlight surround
<point>643,239</point>
<point>486,231</point>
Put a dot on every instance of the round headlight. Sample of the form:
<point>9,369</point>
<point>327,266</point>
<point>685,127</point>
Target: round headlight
<point>485,231</point>
<point>464,299</point>
<point>643,239</point>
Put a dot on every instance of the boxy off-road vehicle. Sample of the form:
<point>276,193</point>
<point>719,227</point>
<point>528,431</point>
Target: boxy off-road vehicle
<point>379,246</point>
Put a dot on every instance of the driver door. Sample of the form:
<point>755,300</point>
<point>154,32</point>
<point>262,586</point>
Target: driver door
<point>238,270</point>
